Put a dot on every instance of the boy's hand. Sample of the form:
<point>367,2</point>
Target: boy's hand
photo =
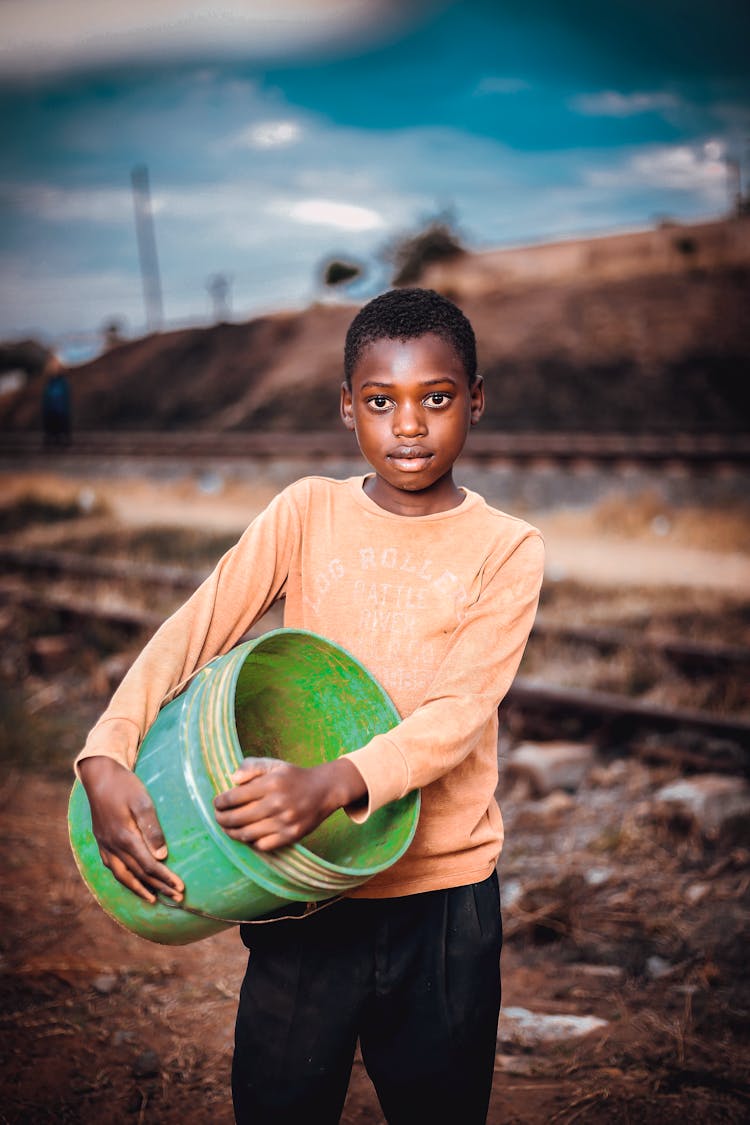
<point>127,829</point>
<point>275,803</point>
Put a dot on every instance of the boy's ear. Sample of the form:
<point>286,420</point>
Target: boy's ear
<point>477,399</point>
<point>347,407</point>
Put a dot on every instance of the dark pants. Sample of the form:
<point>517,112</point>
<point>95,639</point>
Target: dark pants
<point>417,979</point>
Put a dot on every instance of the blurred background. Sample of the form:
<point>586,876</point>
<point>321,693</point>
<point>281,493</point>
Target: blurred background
<point>194,200</point>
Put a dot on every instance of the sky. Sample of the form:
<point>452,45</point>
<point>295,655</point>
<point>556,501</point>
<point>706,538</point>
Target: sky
<point>278,135</point>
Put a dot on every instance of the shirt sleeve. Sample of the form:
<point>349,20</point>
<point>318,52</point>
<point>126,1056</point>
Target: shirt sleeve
<point>472,679</point>
<point>247,580</point>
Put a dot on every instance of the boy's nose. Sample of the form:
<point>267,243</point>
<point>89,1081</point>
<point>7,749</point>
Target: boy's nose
<point>409,421</point>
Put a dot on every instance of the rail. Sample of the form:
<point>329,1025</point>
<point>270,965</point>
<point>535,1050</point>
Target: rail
<point>693,451</point>
<point>535,699</point>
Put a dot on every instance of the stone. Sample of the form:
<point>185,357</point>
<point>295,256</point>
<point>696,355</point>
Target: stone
<point>550,765</point>
<point>147,1064</point>
<point>598,876</point>
<point>107,674</point>
<point>696,892</point>
<point>708,803</point>
<point>522,1066</point>
<point>521,1028</point>
<point>104,984</point>
<point>658,967</point>
<point>49,656</point>
<point>546,813</point>
<point>599,972</point>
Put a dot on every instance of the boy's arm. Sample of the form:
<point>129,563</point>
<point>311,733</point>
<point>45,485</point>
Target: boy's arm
<point>274,803</point>
<point>474,676</point>
<point>245,583</point>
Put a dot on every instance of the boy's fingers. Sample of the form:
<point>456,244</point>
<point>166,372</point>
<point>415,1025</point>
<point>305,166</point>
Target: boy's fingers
<point>244,794</point>
<point>148,823</point>
<point>266,834</point>
<point>140,862</point>
<point>264,808</point>
<point>271,843</point>
<point>252,767</point>
<point>124,876</point>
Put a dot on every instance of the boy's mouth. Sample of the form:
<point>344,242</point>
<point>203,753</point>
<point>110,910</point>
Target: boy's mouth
<point>409,457</point>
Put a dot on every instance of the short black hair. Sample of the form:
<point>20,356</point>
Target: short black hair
<point>405,314</point>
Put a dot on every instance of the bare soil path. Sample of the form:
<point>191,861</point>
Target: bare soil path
<point>608,912</point>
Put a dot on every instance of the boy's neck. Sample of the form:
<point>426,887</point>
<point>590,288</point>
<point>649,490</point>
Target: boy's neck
<point>443,495</point>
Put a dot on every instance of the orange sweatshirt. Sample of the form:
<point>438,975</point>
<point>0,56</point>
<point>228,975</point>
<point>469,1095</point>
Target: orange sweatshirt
<point>437,607</point>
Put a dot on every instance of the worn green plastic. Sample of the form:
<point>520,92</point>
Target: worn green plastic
<point>292,695</point>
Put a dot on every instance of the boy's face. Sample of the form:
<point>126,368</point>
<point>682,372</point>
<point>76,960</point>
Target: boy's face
<point>411,405</point>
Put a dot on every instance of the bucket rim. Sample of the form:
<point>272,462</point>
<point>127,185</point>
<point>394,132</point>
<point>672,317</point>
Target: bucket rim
<point>344,876</point>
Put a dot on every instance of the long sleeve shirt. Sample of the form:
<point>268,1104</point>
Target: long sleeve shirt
<point>437,607</point>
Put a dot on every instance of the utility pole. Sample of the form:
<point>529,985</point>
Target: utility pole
<point>144,229</point>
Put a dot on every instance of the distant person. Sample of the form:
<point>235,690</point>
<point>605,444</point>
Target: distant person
<point>56,411</point>
<point>435,592</point>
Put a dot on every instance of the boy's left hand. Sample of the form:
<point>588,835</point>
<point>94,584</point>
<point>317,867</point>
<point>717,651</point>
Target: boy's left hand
<point>275,803</point>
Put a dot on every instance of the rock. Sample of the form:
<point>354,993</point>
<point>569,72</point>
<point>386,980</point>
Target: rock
<point>546,813</point>
<point>599,972</point>
<point>50,655</point>
<point>657,967</point>
<point>147,1064</point>
<point>104,984</point>
<point>521,1065</point>
<point>605,777</point>
<point>550,765</point>
<point>708,803</point>
<point>598,876</point>
<point>106,675</point>
<point>511,891</point>
<point>696,892</point>
<point>521,1028</point>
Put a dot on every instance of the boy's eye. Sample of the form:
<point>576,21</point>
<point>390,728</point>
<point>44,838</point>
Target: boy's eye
<point>437,398</point>
<point>379,402</point>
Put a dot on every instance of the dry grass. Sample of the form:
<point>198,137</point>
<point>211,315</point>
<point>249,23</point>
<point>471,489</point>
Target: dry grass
<point>725,528</point>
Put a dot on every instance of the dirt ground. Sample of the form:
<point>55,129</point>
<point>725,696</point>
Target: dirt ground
<point>610,909</point>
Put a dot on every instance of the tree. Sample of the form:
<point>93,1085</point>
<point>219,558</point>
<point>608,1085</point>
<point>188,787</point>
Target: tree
<point>411,254</point>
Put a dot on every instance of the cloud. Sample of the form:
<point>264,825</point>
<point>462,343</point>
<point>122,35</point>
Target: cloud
<point>47,36</point>
<point>328,213</point>
<point>268,134</point>
<point>696,169</point>
<point>55,204</point>
<point>40,298</point>
<point>611,103</point>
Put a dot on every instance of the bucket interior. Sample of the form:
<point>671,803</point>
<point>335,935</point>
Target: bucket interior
<point>303,700</point>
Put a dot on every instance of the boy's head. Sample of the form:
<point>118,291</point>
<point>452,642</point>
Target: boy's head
<point>410,395</point>
<point>406,314</point>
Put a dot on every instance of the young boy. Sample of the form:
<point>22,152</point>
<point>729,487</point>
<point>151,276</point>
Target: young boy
<point>435,592</point>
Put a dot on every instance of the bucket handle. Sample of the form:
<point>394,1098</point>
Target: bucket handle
<point>310,908</point>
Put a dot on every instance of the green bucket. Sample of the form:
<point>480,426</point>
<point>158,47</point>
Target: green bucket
<point>292,695</point>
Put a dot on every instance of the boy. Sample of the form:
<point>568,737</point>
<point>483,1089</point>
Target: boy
<point>435,592</point>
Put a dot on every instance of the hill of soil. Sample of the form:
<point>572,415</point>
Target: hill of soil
<point>660,350</point>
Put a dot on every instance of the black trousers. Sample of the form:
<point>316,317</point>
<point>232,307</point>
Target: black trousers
<point>417,979</point>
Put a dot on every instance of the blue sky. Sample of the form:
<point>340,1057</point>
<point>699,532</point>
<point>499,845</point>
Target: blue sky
<point>279,134</point>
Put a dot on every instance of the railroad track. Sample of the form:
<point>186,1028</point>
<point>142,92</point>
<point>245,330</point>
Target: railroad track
<point>691,452</point>
<point>678,650</point>
<point>628,718</point>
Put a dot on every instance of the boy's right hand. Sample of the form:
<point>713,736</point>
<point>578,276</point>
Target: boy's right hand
<point>127,829</point>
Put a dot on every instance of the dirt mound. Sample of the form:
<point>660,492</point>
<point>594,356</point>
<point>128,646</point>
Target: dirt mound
<point>658,352</point>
